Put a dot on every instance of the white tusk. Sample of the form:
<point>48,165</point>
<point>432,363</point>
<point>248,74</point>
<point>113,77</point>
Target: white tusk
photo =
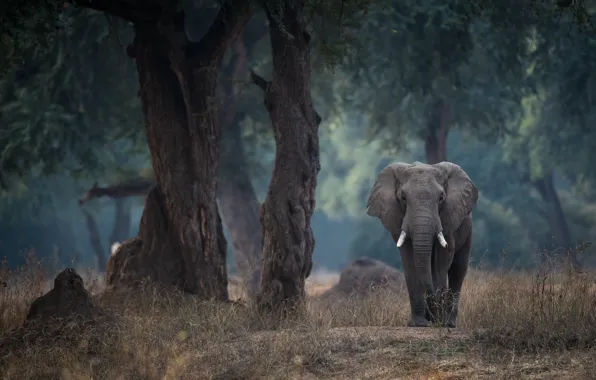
<point>442,240</point>
<point>402,238</point>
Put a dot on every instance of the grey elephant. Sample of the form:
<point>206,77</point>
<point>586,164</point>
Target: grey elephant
<point>428,211</point>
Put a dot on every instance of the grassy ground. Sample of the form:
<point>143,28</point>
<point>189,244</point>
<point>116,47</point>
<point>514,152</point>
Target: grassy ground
<point>511,326</point>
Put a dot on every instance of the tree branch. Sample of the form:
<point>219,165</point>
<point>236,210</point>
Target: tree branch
<point>132,188</point>
<point>259,80</point>
<point>116,8</point>
<point>231,19</point>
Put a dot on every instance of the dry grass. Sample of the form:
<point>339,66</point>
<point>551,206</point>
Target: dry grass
<point>512,326</point>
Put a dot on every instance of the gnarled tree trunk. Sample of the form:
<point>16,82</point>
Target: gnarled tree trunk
<point>180,240</point>
<point>286,212</point>
<point>555,216</point>
<point>435,139</point>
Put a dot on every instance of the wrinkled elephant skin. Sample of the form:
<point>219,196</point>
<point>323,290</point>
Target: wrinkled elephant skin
<point>428,211</point>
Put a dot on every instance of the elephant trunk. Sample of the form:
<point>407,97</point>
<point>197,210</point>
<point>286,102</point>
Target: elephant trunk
<point>423,245</point>
<point>423,234</point>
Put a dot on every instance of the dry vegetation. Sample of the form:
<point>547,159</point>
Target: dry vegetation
<point>512,326</point>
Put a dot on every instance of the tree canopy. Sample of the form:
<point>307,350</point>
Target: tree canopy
<point>71,107</point>
<point>518,76</point>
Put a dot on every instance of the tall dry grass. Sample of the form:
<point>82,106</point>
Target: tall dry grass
<point>157,335</point>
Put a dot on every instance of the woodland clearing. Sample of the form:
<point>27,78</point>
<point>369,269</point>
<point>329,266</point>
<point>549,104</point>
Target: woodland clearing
<point>511,326</point>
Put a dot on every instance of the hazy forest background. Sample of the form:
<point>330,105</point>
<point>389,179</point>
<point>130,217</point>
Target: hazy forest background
<point>507,93</point>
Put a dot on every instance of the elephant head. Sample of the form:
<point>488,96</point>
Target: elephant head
<point>423,203</point>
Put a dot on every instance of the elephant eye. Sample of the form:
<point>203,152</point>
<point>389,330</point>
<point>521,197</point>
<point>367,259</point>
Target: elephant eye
<point>442,197</point>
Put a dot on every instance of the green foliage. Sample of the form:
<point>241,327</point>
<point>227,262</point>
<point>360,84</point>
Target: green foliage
<point>415,53</point>
<point>501,237</point>
<point>564,63</point>
<point>348,164</point>
<point>504,67</point>
<point>333,23</point>
<point>64,107</point>
<point>26,25</point>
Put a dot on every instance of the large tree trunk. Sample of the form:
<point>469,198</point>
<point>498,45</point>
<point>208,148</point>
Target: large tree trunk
<point>435,139</point>
<point>557,222</point>
<point>290,202</point>
<point>238,200</point>
<point>180,239</point>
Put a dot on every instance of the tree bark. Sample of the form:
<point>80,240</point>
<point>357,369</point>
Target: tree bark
<point>286,212</point>
<point>435,140</point>
<point>180,241</point>
<point>556,217</point>
<point>184,161</point>
<point>237,198</point>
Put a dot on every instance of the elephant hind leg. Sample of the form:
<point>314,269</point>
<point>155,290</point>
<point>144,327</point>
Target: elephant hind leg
<point>440,265</point>
<point>457,273</point>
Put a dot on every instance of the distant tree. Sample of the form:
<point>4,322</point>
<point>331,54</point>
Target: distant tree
<point>236,194</point>
<point>427,68</point>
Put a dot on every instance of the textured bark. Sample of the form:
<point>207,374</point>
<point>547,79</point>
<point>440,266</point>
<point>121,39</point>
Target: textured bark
<point>153,254</point>
<point>237,198</point>
<point>180,239</point>
<point>435,140</point>
<point>557,222</point>
<point>290,202</point>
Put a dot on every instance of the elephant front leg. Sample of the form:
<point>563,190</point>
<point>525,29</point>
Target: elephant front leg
<point>418,309</point>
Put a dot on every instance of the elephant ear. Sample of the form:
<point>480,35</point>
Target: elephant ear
<point>382,202</point>
<point>461,198</point>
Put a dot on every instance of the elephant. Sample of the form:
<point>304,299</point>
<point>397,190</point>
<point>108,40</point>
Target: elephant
<point>428,211</point>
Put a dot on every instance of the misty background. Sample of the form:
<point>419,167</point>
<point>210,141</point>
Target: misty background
<point>521,106</point>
